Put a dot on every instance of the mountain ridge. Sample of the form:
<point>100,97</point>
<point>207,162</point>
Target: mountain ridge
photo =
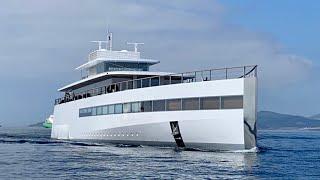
<point>316,116</point>
<point>274,120</point>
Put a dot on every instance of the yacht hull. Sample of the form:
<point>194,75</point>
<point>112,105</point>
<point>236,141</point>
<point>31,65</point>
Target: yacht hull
<point>217,129</point>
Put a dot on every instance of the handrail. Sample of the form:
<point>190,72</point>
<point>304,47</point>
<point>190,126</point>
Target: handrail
<point>176,78</point>
<point>253,69</point>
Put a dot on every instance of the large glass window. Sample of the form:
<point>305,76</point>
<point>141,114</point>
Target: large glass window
<point>83,112</point>
<point>210,103</point>
<point>89,111</point>
<point>146,106</point>
<point>232,102</point>
<point>136,106</point>
<point>118,108</point>
<point>190,104</point>
<point>227,102</point>
<point>94,111</point>
<point>105,110</point>
<point>99,110</point>
<point>159,105</point>
<point>173,105</point>
<point>111,109</point>
<point>123,66</point>
<point>127,108</point>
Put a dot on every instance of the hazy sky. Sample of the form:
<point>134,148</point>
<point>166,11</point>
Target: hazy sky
<point>42,41</point>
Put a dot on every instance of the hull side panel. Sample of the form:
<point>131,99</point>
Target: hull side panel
<point>212,129</point>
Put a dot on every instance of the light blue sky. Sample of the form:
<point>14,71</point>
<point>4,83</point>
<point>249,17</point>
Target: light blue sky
<point>43,41</point>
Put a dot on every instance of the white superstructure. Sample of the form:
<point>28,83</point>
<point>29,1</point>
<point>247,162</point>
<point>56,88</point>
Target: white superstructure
<point>119,100</point>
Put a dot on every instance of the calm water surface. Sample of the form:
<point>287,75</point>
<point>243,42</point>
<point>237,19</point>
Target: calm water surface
<point>29,154</point>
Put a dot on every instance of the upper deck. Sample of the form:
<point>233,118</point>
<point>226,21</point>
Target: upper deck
<point>166,79</point>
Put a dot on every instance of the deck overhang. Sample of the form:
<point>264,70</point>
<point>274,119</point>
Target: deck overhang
<point>105,75</point>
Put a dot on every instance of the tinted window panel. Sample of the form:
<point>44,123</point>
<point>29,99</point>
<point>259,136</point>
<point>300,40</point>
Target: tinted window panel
<point>94,111</point>
<point>105,110</point>
<point>111,109</point>
<point>210,103</point>
<point>173,104</point>
<point>159,105</point>
<point>136,106</point>
<point>127,108</point>
<point>190,104</point>
<point>118,109</point>
<point>146,106</point>
<point>232,102</point>
<point>81,112</point>
<point>99,110</point>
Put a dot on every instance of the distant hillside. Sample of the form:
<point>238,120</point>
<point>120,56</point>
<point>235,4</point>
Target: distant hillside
<point>272,120</point>
<point>317,116</point>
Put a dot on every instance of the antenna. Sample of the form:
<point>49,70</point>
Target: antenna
<point>99,43</point>
<point>109,40</point>
<point>135,45</point>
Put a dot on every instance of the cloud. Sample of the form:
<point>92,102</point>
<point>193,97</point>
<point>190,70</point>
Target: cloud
<point>177,31</point>
<point>43,41</point>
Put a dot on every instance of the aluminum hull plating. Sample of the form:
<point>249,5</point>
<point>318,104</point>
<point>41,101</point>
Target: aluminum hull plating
<point>221,129</point>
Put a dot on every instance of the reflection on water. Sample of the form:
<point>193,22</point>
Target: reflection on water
<point>29,153</point>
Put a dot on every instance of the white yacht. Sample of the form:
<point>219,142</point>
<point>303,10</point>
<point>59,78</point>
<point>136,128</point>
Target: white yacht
<point>119,100</point>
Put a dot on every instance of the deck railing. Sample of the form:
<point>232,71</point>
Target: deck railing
<point>186,77</point>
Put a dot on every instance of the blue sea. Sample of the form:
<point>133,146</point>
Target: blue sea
<point>29,153</point>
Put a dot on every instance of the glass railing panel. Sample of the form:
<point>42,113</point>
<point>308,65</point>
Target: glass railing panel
<point>137,84</point>
<point>130,84</point>
<point>146,82</point>
<point>124,86</point>
<point>198,76</point>
<point>206,75</point>
<point>176,79</point>
<point>164,80</point>
<point>250,71</point>
<point>155,81</point>
<point>189,77</point>
<point>218,74</point>
<point>118,87</point>
<point>235,72</point>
